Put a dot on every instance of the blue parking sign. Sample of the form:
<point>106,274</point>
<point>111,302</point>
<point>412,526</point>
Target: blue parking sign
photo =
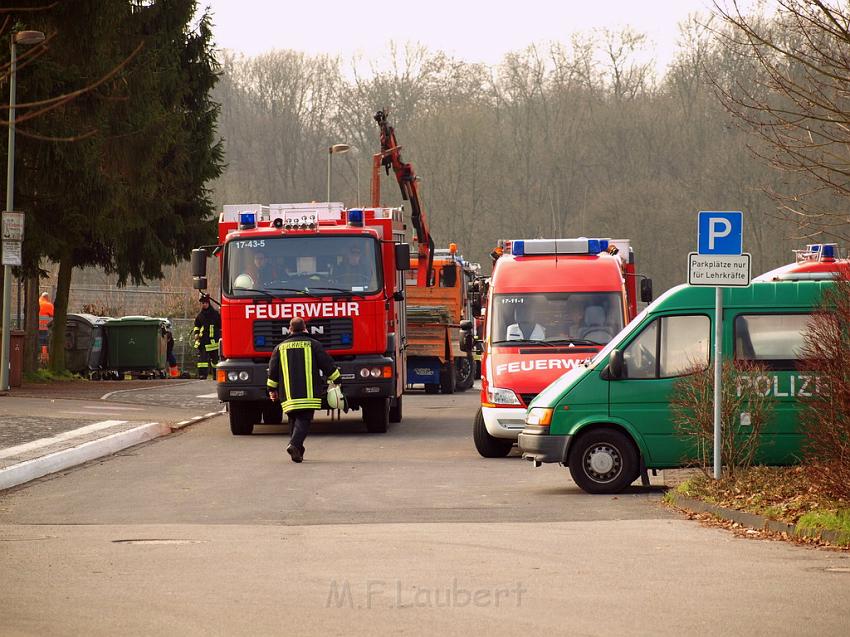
<point>720,232</point>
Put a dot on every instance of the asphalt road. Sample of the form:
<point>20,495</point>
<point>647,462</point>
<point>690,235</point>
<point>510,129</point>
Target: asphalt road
<point>408,532</point>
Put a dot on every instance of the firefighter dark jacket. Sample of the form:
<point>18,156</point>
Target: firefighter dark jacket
<point>294,372</point>
<point>207,330</point>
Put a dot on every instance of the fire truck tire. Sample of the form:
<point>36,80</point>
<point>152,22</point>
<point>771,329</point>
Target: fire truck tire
<point>242,418</point>
<point>465,373</point>
<point>487,445</point>
<point>272,413</point>
<point>395,409</point>
<point>376,415</point>
<point>447,378</point>
<point>604,461</point>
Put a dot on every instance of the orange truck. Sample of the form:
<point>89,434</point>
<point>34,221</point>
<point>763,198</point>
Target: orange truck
<point>439,326</point>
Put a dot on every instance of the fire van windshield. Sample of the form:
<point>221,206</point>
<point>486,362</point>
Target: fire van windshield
<point>556,317</point>
<point>326,265</point>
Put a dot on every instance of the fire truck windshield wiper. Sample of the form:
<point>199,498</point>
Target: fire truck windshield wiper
<point>572,341</point>
<point>523,341</point>
<point>341,290</point>
<point>304,291</point>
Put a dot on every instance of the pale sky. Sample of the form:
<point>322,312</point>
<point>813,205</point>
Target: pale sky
<point>472,30</point>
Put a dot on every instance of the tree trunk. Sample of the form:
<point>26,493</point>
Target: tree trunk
<point>31,347</point>
<point>60,314</point>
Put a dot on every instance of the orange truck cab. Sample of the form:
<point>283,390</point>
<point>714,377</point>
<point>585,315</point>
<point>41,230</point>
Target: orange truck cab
<point>552,303</point>
<point>439,325</point>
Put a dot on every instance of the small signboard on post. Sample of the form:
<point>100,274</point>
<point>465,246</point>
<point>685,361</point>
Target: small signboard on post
<point>12,236</point>
<point>719,262</point>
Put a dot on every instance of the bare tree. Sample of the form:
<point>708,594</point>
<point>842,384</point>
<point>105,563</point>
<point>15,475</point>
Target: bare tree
<point>795,98</point>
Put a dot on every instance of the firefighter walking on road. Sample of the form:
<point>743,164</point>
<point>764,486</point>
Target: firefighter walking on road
<point>295,380</point>
<point>207,332</point>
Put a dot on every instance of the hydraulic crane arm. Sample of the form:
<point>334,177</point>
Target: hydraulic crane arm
<point>390,157</point>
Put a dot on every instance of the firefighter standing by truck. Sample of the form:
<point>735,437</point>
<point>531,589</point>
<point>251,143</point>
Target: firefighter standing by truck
<point>294,380</point>
<point>207,332</point>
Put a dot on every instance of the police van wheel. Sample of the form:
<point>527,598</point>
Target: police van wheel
<point>487,445</point>
<point>242,418</point>
<point>603,461</point>
<point>395,410</point>
<point>376,414</point>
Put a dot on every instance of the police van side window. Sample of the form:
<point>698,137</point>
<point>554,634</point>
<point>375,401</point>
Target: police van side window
<point>774,340</point>
<point>684,345</point>
<point>639,358</point>
<point>668,347</point>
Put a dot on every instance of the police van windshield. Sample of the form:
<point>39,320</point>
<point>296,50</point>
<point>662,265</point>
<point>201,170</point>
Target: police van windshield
<point>315,265</point>
<point>590,318</point>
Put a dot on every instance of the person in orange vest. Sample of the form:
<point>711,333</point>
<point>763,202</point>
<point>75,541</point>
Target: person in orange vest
<point>45,318</point>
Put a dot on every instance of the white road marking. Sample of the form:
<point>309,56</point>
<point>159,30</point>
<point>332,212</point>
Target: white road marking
<point>170,384</point>
<point>114,408</point>
<point>207,396</point>
<point>93,414</point>
<point>66,435</point>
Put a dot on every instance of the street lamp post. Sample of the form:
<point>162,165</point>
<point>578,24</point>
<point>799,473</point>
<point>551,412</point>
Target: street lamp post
<point>24,38</point>
<point>336,149</point>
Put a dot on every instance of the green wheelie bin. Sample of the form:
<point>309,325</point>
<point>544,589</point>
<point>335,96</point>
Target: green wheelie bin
<point>137,345</point>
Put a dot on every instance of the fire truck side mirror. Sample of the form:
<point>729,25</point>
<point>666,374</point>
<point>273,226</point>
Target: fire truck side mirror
<point>402,256</point>
<point>199,263</point>
<point>466,340</point>
<point>199,282</point>
<point>646,290</point>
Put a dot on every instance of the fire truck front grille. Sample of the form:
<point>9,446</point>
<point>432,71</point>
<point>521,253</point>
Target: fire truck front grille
<point>332,333</point>
<point>527,398</point>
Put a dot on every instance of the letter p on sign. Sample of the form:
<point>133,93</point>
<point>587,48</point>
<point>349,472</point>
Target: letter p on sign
<point>720,233</point>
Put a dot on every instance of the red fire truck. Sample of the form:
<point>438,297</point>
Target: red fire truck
<point>552,303</point>
<point>341,270</point>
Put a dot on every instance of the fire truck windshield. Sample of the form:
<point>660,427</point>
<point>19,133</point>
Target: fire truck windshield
<point>285,266</point>
<point>556,317</point>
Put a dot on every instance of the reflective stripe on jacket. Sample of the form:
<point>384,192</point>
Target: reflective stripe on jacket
<point>45,315</point>
<point>295,371</point>
<point>207,330</point>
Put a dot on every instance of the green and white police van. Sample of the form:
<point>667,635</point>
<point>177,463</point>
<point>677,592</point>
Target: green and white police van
<point>605,418</point>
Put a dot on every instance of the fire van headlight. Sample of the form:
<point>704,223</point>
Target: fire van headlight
<point>499,396</point>
<point>539,416</point>
<point>243,375</point>
<point>234,376</point>
<point>364,373</point>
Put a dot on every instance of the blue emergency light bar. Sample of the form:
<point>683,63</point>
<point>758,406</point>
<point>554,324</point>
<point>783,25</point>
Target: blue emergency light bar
<point>526,247</point>
<point>247,220</point>
<point>355,217</point>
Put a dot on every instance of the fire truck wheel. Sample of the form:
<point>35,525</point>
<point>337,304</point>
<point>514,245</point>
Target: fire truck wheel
<point>376,414</point>
<point>465,373</point>
<point>395,410</point>
<point>603,461</point>
<point>447,378</point>
<point>242,418</point>
<point>487,445</point>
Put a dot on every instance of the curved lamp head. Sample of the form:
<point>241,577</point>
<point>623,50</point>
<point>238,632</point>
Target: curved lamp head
<point>28,37</point>
<point>337,149</point>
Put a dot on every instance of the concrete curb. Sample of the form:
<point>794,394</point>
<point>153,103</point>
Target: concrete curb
<point>29,470</point>
<point>753,521</point>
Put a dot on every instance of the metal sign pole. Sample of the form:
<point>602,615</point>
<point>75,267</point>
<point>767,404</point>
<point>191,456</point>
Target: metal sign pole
<point>718,374</point>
